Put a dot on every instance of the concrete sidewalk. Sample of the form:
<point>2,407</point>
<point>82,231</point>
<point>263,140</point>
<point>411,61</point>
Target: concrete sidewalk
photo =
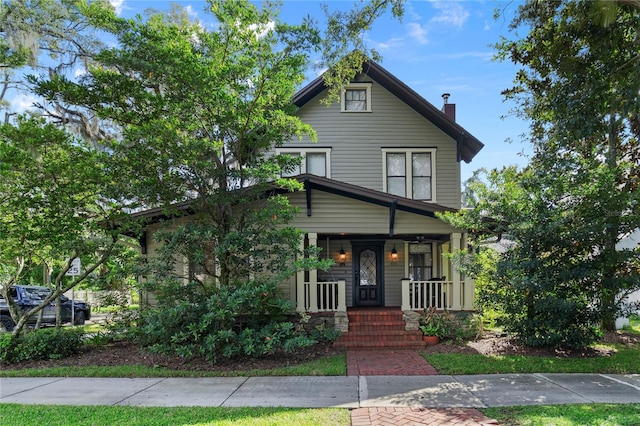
<point>313,392</point>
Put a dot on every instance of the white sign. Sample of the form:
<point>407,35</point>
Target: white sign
<point>75,268</point>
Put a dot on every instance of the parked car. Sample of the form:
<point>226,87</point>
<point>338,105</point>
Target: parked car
<point>27,297</point>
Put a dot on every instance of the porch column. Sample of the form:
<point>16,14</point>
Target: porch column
<point>469,283</point>
<point>342,296</point>
<point>300,286</point>
<point>406,302</point>
<point>313,277</point>
<point>469,294</point>
<point>455,274</point>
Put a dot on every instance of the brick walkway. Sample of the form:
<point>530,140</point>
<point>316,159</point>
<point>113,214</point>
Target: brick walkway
<point>388,363</point>
<point>405,363</point>
<point>396,416</point>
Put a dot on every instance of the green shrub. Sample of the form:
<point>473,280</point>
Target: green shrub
<point>449,325</point>
<point>435,323</point>
<point>249,319</point>
<point>468,325</point>
<point>48,343</point>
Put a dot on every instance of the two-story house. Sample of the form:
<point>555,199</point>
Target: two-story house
<point>385,162</point>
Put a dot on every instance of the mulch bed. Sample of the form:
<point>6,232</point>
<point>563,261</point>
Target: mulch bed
<point>127,353</point>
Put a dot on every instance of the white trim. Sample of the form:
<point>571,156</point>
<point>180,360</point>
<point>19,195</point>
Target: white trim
<point>409,170</point>
<point>433,260</point>
<point>357,86</point>
<point>303,151</point>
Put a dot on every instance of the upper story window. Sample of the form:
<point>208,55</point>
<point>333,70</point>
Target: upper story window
<point>410,173</point>
<point>315,161</point>
<point>356,97</point>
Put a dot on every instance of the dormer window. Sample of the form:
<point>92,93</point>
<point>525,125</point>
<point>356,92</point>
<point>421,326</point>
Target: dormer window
<point>356,97</point>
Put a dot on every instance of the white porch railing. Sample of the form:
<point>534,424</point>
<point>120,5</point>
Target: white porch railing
<point>328,296</point>
<point>430,294</point>
<point>450,295</point>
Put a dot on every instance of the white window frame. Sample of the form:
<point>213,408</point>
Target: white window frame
<point>409,169</point>
<point>303,153</point>
<point>356,86</point>
<point>429,261</point>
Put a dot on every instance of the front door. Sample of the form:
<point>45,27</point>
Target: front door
<point>368,273</point>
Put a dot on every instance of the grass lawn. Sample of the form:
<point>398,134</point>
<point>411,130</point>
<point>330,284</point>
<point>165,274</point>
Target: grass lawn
<point>623,361</point>
<point>37,415</point>
<point>567,415</point>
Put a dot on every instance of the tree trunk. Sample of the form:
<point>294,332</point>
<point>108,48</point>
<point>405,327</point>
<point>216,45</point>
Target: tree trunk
<point>58,312</point>
<point>609,273</point>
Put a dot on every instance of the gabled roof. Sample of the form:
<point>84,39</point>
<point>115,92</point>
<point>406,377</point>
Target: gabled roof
<point>468,145</point>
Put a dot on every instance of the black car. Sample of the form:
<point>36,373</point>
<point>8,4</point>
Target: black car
<point>27,297</point>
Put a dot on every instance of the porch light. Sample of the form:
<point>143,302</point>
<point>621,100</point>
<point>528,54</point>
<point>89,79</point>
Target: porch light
<point>342,256</point>
<point>394,254</point>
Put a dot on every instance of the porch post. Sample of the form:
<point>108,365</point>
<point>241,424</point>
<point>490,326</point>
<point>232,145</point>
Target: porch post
<point>300,287</point>
<point>469,284</point>
<point>406,302</point>
<point>457,285</point>
<point>313,277</point>
<point>342,296</point>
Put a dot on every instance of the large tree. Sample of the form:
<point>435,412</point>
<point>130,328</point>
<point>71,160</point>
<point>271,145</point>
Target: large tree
<point>579,196</point>
<point>54,198</point>
<point>200,112</point>
<point>56,190</point>
<point>43,36</point>
<point>580,88</point>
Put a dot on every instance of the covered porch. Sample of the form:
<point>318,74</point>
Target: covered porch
<point>410,273</point>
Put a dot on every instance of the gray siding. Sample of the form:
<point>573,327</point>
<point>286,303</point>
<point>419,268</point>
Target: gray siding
<point>336,214</point>
<point>181,268</point>
<point>356,141</point>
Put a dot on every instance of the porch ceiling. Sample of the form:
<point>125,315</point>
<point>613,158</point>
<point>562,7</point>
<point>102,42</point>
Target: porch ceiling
<point>422,238</point>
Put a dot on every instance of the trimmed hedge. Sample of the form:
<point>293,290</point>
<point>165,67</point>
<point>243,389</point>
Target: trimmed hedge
<point>47,343</point>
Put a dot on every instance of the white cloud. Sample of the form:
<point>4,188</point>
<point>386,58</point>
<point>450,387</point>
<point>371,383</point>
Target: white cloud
<point>410,12</point>
<point>118,5</point>
<point>392,43</point>
<point>450,13</point>
<point>23,102</point>
<point>417,33</point>
<point>192,13</point>
<point>484,55</point>
<point>79,72</point>
<point>447,14</point>
<point>262,30</point>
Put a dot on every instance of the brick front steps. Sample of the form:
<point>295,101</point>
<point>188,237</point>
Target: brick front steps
<point>378,328</point>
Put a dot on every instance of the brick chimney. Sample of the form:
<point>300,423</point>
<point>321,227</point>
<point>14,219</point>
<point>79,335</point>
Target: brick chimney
<point>448,109</point>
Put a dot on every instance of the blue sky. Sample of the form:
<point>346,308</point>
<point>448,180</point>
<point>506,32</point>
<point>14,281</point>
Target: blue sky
<point>439,47</point>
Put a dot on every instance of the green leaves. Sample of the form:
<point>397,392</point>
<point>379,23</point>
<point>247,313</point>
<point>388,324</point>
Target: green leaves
<point>245,320</point>
<point>566,211</point>
<point>53,206</point>
<point>50,187</point>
